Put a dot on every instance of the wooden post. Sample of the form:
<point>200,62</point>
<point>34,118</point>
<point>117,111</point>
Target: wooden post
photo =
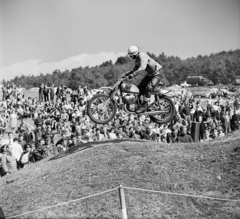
<point>122,202</point>
<point>2,216</point>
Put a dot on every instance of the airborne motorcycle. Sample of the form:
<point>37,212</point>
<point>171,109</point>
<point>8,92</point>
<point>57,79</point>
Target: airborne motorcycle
<point>102,108</point>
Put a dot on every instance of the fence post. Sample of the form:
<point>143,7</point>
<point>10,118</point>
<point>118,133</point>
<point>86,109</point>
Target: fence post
<point>2,216</point>
<point>122,202</point>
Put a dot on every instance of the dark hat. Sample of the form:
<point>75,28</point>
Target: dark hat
<point>48,137</point>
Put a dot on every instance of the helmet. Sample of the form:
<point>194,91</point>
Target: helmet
<point>132,50</point>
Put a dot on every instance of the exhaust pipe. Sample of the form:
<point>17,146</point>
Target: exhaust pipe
<point>146,113</point>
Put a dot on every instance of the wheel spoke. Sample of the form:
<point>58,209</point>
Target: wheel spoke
<point>163,105</point>
<point>101,109</point>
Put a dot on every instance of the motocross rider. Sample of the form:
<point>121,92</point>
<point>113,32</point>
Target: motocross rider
<point>144,62</point>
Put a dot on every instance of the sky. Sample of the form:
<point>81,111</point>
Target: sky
<point>39,36</point>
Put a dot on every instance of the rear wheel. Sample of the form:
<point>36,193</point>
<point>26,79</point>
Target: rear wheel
<point>101,109</point>
<point>163,104</point>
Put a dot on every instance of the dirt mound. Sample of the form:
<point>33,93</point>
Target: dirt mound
<point>207,169</point>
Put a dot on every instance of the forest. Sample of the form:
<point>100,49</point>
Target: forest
<point>222,67</point>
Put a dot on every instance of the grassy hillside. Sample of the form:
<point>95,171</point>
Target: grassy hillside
<point>209,169</point>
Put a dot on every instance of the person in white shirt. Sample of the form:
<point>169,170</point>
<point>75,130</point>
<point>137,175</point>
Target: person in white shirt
<point>16,149</point>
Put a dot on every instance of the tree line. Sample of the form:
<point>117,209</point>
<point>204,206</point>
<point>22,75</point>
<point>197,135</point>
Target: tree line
<point>222,67</point>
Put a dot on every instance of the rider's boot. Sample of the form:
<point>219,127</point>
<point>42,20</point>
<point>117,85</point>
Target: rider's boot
<point>144,106</point>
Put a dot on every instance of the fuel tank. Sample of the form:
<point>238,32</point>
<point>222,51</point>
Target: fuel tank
<point>129,88</point>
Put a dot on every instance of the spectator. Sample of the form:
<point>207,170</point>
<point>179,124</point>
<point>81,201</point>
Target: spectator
<point>73,141</point>
<point>52,92</point>
<point>41,151</point>
<point>41,96</point>
<point>46,93</point>
<point>28,135</point>
<point>235,121</point>
<point>226,122</point>
<point>8,161</point>
<point>13,120</point>
<point>16,149</point>
<point>27,156</point>
<point>62,144</point>
<point>21,140</point>
<point>184,137</point>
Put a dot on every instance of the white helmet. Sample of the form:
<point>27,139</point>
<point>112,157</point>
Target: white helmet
<point>132,50</point>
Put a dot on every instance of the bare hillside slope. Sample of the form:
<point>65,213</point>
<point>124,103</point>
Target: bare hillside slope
<point>207,169</point>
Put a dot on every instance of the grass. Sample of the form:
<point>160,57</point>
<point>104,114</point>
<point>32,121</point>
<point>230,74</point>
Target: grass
<point>208,169</point>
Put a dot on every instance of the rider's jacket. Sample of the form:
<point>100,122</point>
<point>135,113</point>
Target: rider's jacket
<point>145,62</point>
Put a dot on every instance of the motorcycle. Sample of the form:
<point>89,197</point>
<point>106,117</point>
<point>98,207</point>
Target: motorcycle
<point>102,108</point>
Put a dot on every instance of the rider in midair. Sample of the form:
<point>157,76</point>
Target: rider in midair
<point>143,62</point>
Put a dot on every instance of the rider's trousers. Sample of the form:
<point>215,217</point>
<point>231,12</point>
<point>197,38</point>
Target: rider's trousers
<point>148,84</point>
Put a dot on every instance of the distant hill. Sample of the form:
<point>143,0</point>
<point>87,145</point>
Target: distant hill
<point>221,67</point>
<point>203,169</point>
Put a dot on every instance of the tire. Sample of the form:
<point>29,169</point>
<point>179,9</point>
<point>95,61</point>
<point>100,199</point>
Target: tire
<point>100,100</point>
<point>169,116</point>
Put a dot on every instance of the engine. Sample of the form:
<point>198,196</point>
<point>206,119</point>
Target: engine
<point>131,102</point>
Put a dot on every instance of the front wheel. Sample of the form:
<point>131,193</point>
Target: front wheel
<point>101,109</point>
<point>164,104</point>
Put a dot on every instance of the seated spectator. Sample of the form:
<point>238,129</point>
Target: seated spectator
<point>8,161</point>
<point>99,135</point>
<point>220,133</point>
<point>52,149</point>
<point>207,135</point>
<point>41,151</point>
<point>132,134</point>
<point>150,135</point>
<point>62,144</point>
<point>184,137</point>
<point>27,156</point>
<point>163,136</point>
<point>73,141</point>
<point>111,134</point>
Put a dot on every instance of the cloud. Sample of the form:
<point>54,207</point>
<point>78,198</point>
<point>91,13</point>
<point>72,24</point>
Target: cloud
<point>37,66</point>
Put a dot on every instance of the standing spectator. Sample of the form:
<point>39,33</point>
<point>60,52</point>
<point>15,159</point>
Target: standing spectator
<point>4,92</point>
<point>3,126</point>
<point>46,93</point>
<point>21,140</point>
<point>186,112</point>
<point>13,120</point>
<point>16,150</point>
<point>52,92</point>
<point>28,136</point>
<point>41,88</point>
<point>8,161</point>
<point>38,134</point>
<point>226,122</point>
<point>59,93</point>
<point>236,105</point>
<point>235,121</point>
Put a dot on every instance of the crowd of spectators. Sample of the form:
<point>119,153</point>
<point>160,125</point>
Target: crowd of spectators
<point>57,121</point>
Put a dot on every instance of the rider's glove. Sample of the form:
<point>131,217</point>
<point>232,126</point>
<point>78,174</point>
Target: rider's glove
<point>131,76</point>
